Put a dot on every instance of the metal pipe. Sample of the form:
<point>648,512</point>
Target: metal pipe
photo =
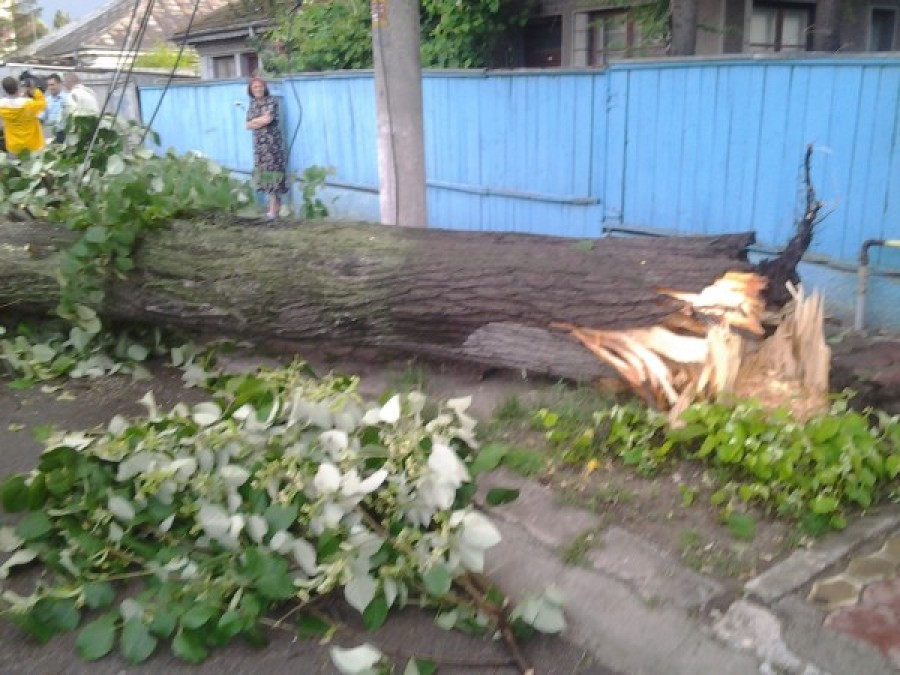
<point>863,275</point>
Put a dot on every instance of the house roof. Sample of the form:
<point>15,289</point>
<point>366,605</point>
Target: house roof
<point>107,27</point>
<point>236,15</point>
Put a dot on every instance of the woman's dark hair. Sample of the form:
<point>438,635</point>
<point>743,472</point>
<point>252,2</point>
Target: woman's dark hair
<point>257,79</point>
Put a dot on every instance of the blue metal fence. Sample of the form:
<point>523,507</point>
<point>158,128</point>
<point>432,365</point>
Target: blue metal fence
<point>693,146</point>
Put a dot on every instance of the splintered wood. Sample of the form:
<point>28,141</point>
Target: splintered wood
<point>712,346</point>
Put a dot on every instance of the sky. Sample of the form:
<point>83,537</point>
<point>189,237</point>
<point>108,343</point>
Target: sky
<point>75,8</point>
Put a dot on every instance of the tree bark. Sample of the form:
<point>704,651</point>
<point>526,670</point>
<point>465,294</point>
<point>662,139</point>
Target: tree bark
<point>484,297</point>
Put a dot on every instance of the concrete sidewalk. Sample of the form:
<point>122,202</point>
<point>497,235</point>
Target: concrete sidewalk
<point>638,610</point>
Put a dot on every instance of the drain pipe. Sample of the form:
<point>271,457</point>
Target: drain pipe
<point>863,275</point>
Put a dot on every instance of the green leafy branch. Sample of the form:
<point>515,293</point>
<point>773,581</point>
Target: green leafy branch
<point>812,472</point>
<point>275,493</point>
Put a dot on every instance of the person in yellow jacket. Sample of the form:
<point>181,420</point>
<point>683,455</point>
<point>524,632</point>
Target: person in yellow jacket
<point>21,126</point>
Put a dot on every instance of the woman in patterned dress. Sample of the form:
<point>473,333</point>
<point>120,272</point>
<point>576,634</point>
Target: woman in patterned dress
<point>268,150</point>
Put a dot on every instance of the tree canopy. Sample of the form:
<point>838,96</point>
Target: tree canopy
<point>337,35</point>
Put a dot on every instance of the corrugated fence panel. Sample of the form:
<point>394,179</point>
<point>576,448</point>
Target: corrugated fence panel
<point>512,152</point>
<point>208,118</point>
<point>719,147</point>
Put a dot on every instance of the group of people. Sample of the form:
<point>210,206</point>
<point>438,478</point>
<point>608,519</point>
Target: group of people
<point>30,117</point>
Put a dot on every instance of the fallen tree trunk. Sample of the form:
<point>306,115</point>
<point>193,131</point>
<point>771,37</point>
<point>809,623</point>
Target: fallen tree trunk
<point>484,297</point>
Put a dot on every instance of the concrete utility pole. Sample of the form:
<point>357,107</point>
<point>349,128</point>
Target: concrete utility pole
<point>398,90</point>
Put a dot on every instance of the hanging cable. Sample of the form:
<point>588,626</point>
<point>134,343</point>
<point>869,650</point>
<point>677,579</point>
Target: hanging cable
<point>171,76</point>
<point>136,44</point>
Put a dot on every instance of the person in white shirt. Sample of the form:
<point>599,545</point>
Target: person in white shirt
<point>82,100</point>
<point>57,109</point>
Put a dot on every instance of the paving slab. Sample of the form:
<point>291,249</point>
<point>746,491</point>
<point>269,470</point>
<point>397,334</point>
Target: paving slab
<point>651,573</point>
<point>615,624</point>
<point>802,566</point>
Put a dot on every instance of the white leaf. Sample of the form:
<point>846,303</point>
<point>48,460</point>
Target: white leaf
<point>459,405</point>
<point>236,525</point>
<point>328,478</point>
<point>233,475</point>
<point>117,425</point>
<point>166,524</point>
<point>257,527</point>
<point>121,508</point>
<point>305,556</point>
<point>360,591</point>
<point>115,533</point>
<point>416,402</point>
<point>9,540</point>
<point>355,661</point>
<point>22,557</point>
<point>471,558</point>
<point>543,612</point>
<point>372,483</point>
<point>149,402</point>
<point>206,414</point>
<point>390,591</point>
<point>115,165</point>
<point>334,441</point>
<point>183,468</point>
<point>478,531</point>
<point>134,465</point>
<point>281,541</point>
<point>214,520</point>
<point>390,412</point>
<point>371,418</point>
<point>447,465</point>
<point>130,608</point>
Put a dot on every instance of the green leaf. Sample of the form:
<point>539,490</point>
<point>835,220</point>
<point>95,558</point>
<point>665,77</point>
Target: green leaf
<point>437,581</point>
<point>824,504</point>
<point>98,594</point>
<point>96,234</point>
<point>892,465</point>
<point>137,643</point>
<point>281,517</point>
<point>187,646</point>
<point>14,494</point>
<point>376,613</point>
<point>230,624</point>
<point>741,526</point>
<point>197,615</point>
<point>498,496</point>
<point>488,459</point>
<point>60,616</point>
<point>97,638</point>
<point>164,621</point>
<point>420,667</point>
<point>137,352</point>
<point>34,526</point>
<point>309,626</point>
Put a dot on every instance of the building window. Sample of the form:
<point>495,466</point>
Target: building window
<point>780,28</point>
<point>249,64</point>
<point>601,36</point>
<point>882,29</point>
<point>543,42</point>
<point>224,67</point>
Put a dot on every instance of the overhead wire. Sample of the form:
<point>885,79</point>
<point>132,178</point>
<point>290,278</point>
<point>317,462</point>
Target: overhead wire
<point>134,46</point>
<point>171,76</point>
